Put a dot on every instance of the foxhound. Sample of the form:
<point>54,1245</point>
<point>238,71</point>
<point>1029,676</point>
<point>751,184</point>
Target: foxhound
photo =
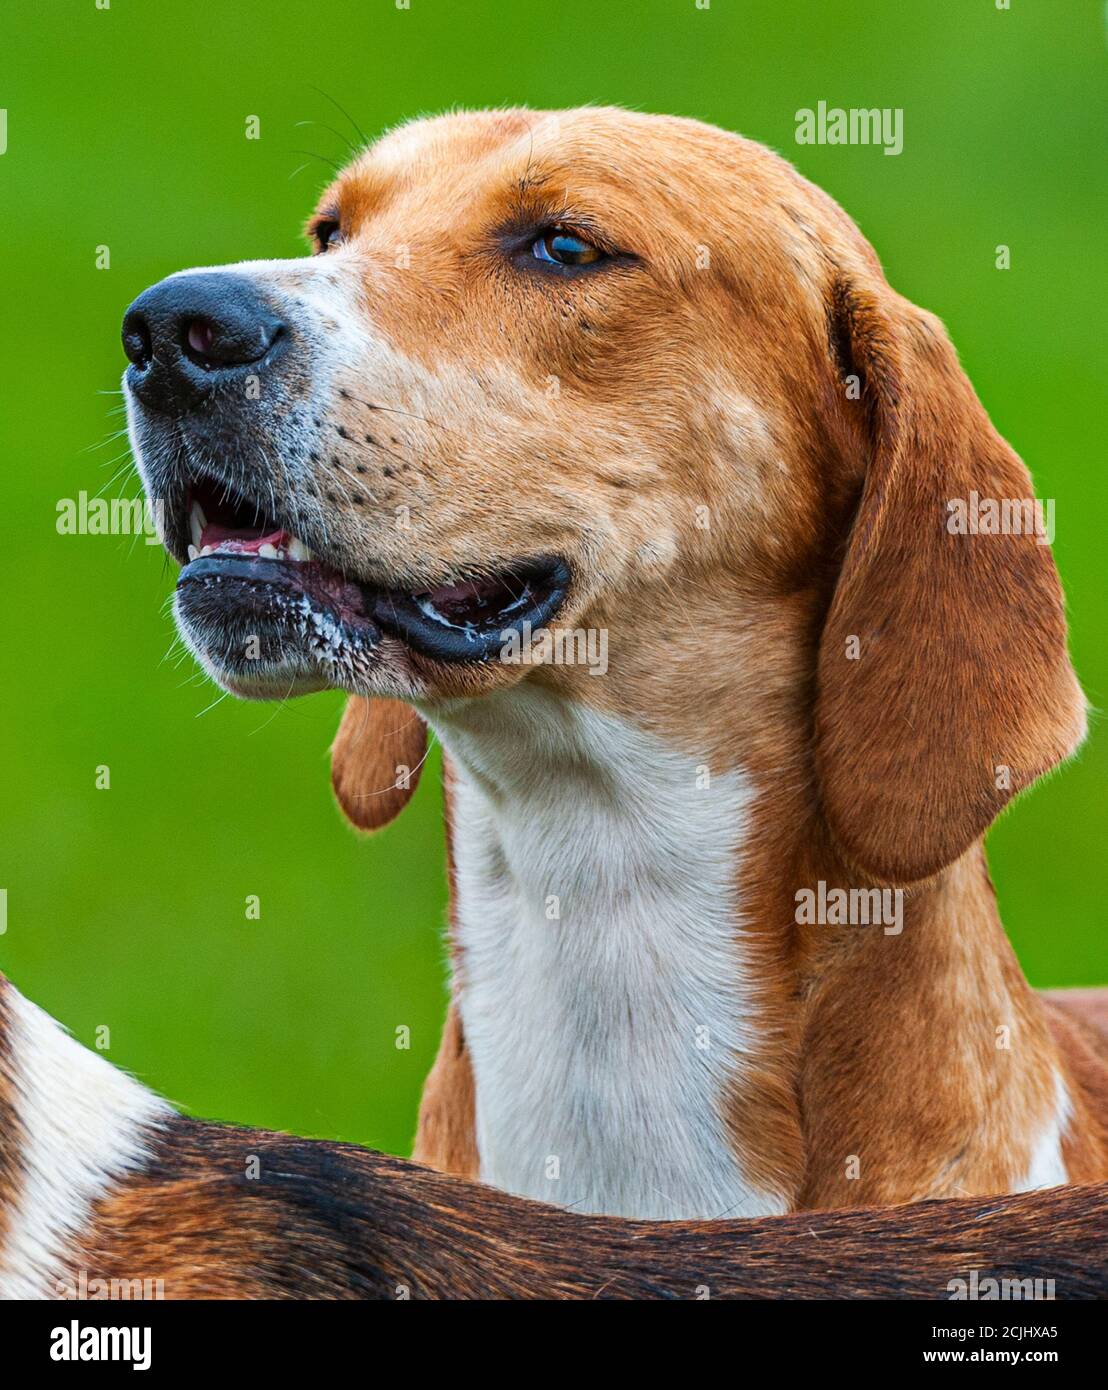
<point>562,386</point>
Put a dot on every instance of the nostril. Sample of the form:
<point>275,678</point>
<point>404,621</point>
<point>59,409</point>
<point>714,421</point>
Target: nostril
<point>227,341</point>
<point>200,335</point>
<point>136,340</point>
<point>190,335</point>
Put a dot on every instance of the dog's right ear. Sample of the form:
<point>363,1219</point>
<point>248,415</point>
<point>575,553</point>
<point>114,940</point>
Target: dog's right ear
<point>376,760</point>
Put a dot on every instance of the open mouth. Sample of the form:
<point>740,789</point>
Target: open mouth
<point>250,575</point>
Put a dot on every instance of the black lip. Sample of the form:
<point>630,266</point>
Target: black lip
<point>266,585</point>
<point>248,614</point>
<point>543,583</point>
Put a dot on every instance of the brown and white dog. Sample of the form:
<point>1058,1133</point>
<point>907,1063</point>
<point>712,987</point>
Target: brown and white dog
<point>106,1193</point>
<point>595,377</point>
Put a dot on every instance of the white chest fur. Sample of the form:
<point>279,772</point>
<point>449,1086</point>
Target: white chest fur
<point>603,993</point>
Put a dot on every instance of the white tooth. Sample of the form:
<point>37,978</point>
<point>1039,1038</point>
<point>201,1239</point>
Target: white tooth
<point>267,552</point>
<point>197,522</point>
<point>298,550</point>
<point>194,554</point>
<point>208,550</point>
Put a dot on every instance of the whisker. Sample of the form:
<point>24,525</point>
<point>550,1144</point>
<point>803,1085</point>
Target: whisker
<point>336,133</point>
<point>343,112</point>
<point>218,701</point>
<point>311,154</point>
<point>356,481</point>
<point>116,434</point>
<point>392,410</point>
<point>281,704</point>
<point>119,473</point>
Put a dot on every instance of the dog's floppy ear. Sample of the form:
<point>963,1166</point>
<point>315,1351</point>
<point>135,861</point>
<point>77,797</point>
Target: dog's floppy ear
<point>376,760</point>
<point>944,685</point>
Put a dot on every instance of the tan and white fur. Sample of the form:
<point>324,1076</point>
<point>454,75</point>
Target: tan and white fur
<point>743,443</point>
<point>749,458</point>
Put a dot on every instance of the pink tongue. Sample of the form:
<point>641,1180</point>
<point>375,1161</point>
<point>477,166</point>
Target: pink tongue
<point>240,542</point>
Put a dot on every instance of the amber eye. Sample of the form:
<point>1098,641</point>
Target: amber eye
<point>556,246</point>
<point>327,234</point>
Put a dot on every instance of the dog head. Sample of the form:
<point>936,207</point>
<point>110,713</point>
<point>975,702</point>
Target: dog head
<point>555,371</point>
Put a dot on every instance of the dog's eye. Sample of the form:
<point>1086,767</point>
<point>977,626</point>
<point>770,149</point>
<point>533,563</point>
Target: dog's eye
<point>327,234</point>
<point>556,246</point>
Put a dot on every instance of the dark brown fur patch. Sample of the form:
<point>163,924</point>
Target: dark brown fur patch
<point>325,1220</point>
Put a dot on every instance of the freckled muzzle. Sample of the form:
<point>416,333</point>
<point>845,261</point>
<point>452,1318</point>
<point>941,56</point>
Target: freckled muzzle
<point>269,610</point>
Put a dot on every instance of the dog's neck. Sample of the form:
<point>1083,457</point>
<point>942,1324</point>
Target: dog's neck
<point>603,990</point>
<point>640,1001</point>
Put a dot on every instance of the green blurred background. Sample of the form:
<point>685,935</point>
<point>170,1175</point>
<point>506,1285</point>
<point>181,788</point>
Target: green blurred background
<point>126,907</point>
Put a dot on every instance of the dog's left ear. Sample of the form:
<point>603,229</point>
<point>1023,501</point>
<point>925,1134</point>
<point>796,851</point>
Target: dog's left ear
<point>944,685</point>
<point>376,760</point>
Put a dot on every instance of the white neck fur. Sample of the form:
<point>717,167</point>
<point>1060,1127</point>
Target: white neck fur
<point>602,989</point>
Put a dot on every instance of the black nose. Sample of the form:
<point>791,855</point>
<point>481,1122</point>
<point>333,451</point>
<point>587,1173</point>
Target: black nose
<point>190,334</point>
